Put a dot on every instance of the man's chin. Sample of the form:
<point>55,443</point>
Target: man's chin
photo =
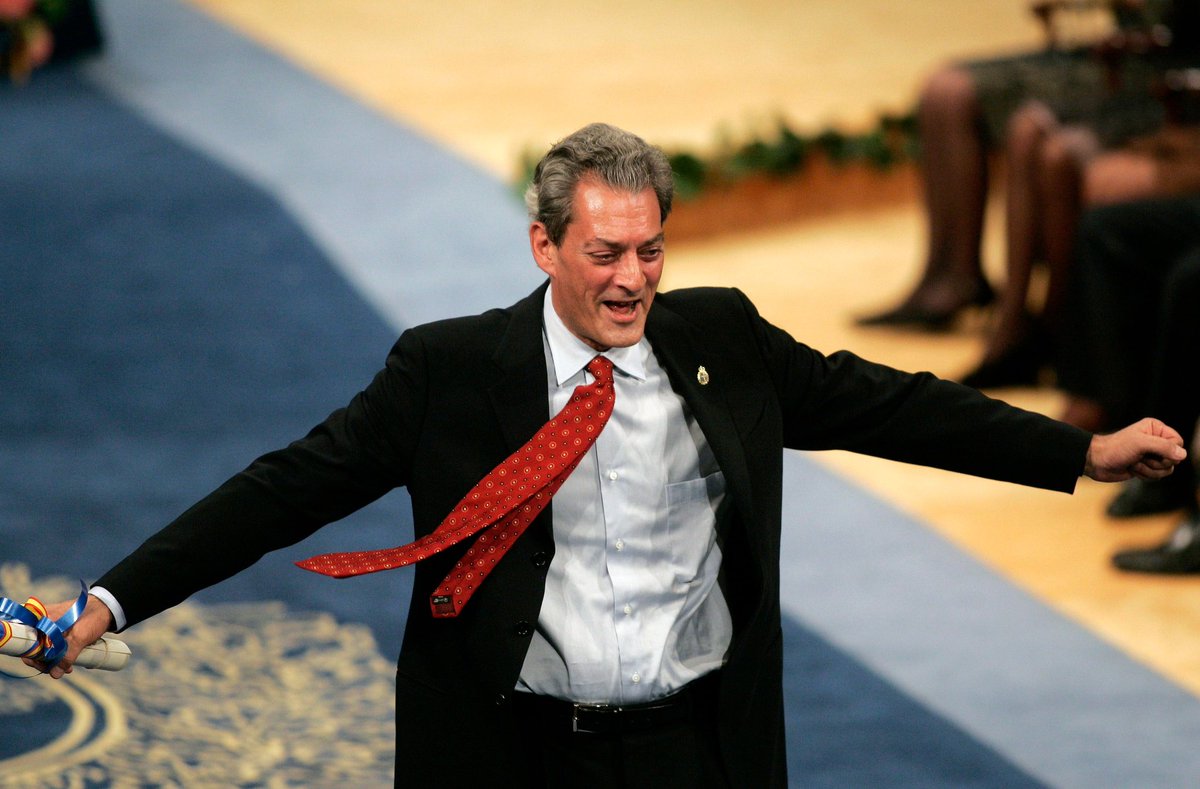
<point>624,336</point>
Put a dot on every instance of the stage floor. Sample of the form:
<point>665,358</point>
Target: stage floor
<point>490,80</point>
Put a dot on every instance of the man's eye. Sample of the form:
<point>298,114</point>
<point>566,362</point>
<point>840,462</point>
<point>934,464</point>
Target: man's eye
<point>650,254</point>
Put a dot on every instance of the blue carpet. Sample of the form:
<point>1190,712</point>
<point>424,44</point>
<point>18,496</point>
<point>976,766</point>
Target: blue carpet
<point>165,321</point>
<point>847,727</point>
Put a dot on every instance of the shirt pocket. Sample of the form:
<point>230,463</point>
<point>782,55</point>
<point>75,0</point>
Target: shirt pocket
<point>691,524</point>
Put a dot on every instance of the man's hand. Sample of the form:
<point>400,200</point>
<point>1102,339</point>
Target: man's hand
<point>1147,449</point>
<point>95,621</point>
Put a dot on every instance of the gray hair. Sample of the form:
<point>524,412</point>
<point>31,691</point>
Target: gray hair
<point>615,157</point>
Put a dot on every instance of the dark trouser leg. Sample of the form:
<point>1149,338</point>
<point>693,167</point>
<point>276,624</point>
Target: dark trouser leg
<point>680,756</point>
<point>1113,312</point>
<point>1174,392</point>
<point>680,752</point>
<point>1175,399</point>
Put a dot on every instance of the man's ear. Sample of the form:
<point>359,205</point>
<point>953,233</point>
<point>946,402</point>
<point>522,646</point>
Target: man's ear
<point>544,250</point>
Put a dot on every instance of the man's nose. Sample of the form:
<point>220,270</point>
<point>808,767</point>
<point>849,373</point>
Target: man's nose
<point>629,275</point>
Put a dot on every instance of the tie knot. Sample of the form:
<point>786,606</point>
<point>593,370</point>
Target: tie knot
<point>601,369</point>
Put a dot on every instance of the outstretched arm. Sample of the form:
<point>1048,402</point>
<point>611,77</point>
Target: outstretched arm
<point>1148,449</point>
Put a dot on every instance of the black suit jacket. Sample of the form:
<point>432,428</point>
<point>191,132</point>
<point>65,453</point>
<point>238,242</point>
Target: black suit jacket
<point>458,396</point>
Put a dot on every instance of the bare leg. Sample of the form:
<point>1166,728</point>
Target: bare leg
<point>1005,361</point>
<point>1028,132</point>
<point>954,169</point>
<point>1044,202</point>
<point>955,176</point>
<point>1064,157</point>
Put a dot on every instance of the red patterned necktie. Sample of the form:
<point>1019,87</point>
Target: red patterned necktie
<point>507,500</point>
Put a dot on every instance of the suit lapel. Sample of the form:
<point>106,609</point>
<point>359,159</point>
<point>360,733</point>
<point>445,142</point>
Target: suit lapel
<point>518,393</point>
<point>681,349</point>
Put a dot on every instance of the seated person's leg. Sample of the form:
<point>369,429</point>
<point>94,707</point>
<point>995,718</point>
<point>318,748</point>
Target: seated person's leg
<point>963,114</point>
<point>1174,391</point>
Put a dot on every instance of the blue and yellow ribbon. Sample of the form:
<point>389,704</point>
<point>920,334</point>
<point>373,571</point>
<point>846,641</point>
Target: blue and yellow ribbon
<point>51,645</point>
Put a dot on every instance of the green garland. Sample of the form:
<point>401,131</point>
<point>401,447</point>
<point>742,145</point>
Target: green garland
<point>893,141</point>
<point>19,37</point>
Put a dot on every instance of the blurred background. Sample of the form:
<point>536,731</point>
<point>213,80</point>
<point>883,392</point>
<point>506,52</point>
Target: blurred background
<point>217,215</point>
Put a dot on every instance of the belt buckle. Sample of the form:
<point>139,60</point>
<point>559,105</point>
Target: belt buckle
<point>590,708</point>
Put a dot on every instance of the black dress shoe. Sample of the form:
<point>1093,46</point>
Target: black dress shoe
<point>912,315</point>
<point>1151,496</point>
<point>1179,555</point>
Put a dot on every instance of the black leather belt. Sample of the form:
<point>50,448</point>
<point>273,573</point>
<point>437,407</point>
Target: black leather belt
<point>560,715</point>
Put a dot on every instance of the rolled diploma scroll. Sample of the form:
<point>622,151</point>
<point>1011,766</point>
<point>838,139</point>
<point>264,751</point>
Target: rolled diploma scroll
<point>108,654</point>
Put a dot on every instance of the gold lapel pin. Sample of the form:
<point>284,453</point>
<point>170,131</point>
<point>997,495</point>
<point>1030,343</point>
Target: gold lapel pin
<point>702,375</point>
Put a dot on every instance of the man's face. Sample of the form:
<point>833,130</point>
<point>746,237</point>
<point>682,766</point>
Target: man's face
<point>606,270</point>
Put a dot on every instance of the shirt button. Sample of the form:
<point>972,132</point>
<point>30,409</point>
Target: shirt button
<point>523,628</point>
<point>636,678</point>
<point>613,475</point>
<point>619,545</point>
<point>628,609</point>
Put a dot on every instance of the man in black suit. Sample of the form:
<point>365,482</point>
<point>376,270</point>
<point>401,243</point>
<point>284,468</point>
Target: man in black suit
<point>632,635</point>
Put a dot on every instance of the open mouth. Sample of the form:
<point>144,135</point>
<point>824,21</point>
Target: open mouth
<point>623,309</point>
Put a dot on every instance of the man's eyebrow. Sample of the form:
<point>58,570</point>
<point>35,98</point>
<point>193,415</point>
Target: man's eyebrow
<point>618,245</point>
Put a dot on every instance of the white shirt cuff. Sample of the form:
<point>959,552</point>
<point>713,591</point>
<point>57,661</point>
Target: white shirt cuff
<point>118,613</point>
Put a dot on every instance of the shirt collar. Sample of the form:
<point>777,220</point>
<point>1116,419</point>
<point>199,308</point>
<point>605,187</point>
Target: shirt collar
<point>571,354</point>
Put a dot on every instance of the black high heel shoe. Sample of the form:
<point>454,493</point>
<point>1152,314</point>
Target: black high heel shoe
<point>912,315</point>
<point>1020,365</point>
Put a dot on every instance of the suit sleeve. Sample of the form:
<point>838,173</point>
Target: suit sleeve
<point>356,455</point>
<point>841,401</point>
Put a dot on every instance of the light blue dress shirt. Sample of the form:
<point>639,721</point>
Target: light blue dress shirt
<point>632,609</point>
